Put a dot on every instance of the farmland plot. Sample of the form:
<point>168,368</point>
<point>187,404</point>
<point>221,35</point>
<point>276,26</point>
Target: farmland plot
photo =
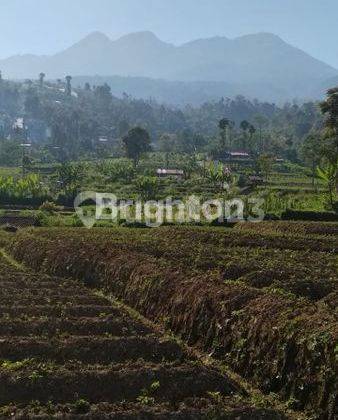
<point>66,351</point>
<point>261,300</point>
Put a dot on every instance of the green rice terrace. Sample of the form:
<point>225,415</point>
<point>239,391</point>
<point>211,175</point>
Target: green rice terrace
<point>173,322</point>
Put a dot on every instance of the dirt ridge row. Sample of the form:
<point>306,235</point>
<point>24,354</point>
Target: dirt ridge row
<point>94,360</point>
<point>282,342</point>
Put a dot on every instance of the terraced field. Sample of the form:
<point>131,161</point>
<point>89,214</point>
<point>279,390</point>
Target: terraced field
<point>67,352</point>
<point>263,300</point>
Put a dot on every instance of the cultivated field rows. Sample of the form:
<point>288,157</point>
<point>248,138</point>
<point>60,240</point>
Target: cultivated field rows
<point>260,300</point>
<point>65,351</point>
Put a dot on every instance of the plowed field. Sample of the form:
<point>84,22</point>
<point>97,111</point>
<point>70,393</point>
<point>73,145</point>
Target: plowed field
<point>64,351</point>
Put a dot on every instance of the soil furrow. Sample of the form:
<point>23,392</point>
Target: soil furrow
<point>80,326</point>
<point>91,349</point>
<point>66,352</point>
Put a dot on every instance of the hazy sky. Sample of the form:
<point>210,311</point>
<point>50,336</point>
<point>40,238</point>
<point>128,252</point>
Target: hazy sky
<point>47,26</point>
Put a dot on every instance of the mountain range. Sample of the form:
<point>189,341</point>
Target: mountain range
<point>260,65</point>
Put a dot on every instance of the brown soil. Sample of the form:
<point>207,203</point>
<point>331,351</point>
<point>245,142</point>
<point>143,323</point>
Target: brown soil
<point>262,303</point>
<point>53,326</point>
<point>66,352</point>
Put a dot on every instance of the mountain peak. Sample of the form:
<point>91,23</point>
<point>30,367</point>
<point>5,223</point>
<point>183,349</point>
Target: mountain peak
<point>260,63</point>
<point>91,44</point>
<point>261,37</point>
<point>214,40</point>
<point>142,36</point>
<point>96,36</point>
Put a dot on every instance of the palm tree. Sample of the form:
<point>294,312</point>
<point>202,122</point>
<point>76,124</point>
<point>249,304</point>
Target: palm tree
<point>41,78</point>
<point>261,121</point>
<point>311,150</point>
<point>232,125</point>
<point>252,131</point>
<point>244,127</point>
<point>223,126</point>
<point>68,85</point>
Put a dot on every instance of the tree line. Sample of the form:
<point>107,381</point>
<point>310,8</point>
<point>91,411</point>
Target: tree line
<point>92,122</point>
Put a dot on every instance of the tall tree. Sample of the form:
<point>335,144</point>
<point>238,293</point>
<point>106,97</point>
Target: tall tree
<point>265,164</point>
<point>311,152</point>
<point>223,125</point>
<point>232,125</point>
<point>41,79</point>
<point>136,142</point>
<point>32,103</point>
<point>252,131</point>
<point>244,127</point>
<point>330,139</point>
<point>103,95</point>
<point>68,85</point>
<point>167,144</point>
<point>123,127</point>
<point>328,174</point>
<point>261,122</point>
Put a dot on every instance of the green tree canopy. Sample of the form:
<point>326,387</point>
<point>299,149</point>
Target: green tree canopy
<point>136,142</point>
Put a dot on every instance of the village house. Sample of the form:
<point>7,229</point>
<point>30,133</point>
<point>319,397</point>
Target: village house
<point>170,173</point>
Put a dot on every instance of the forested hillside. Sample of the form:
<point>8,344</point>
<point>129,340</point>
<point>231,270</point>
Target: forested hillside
<point>75,119</point>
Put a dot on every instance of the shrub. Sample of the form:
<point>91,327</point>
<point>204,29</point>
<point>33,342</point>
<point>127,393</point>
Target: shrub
<point>335,206</point>
<point>242,181</point>
<point>81,406</point>
<point>49,207</point>
<point>116,170</point>
<point>147,187</point>
<point>23,190</point>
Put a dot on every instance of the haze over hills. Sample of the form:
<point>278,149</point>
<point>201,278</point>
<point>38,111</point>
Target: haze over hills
<point>260,65</point>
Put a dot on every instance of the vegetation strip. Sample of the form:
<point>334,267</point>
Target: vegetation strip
<point>11,261</point>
